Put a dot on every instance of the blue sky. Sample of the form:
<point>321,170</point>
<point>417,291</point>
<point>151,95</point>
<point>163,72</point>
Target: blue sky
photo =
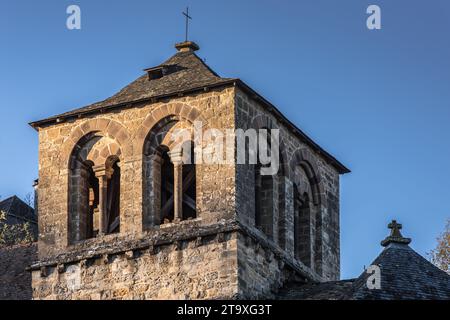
<point>377,100</point>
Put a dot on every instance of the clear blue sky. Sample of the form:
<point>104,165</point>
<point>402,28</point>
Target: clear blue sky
<point>377,100</point>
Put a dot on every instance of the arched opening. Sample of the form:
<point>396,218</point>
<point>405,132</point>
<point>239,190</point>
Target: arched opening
<point>302,227</point>
<point>189,185</point>
<point>113,199</point>
<point>169,182</point>
<point>266,188</point>
<point>264,202</point>
<point>94,189</point>
<point>83,200</point>
<point>93,198</point>
<point>166,192</point>
<point>169,185</point>
<point>157,176</point>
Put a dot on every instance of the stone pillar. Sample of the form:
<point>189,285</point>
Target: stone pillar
<point>177,159</point>
<point>103,174</point>
<point>131,204</point>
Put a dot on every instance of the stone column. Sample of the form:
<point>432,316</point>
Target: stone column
<point>103,174</point>
<point>177,159</point>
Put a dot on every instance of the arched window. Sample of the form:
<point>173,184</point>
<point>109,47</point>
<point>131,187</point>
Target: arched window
<point>266,188</point>
<point>93,198</point>
<point>169,182</point>
<point>264,202</point>
<point>186,186</point>
<point>94,188</point>
<point>83,200</point>
<point>166,192</point>
<point>113,199</point>
<point>189,185</point>
<point>302,227</point>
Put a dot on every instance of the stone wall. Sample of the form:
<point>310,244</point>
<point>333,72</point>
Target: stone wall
<point>226,260</point>
<point>183,262</point>
<point>220,254</point>
<point>322,183</point>
<point>130,128</point>
<point>15,281</point>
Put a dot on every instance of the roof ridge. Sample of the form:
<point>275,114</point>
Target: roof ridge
<point>192,53</point>
<point>207,66</point>
<point>9,201</point>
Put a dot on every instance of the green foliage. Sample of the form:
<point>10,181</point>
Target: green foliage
<point>440,256</point>
<point>15,233</point>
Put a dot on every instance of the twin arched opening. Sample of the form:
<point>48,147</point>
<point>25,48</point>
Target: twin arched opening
<point>169,173</point>
<point>94,187</point>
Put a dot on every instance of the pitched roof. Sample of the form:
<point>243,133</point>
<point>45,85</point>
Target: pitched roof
<point>15,209</point>
<point>184,73</point>
<point>404,275</point>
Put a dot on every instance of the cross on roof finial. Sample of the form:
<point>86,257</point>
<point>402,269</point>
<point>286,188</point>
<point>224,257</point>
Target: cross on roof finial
<point>395,236</point>
<point>188,17</point>
<point>395,228</point>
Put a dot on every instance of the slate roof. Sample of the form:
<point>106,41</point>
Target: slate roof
<point>185,73</point>
<point>405,275</point>
<point>17,211</point>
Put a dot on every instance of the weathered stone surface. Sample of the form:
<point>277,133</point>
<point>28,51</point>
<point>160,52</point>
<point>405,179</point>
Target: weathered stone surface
<point>319,179</point>
<point>164,265</point>
<point>15,281</point>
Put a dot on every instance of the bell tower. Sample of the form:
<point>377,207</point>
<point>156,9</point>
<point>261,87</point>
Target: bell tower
<point>123,215</point>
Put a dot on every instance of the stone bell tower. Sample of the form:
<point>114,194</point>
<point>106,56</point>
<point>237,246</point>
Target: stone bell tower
<point>122,216</point>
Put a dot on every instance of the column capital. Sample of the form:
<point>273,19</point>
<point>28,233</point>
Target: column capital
<point>102,171</point>
<point>176,156</point>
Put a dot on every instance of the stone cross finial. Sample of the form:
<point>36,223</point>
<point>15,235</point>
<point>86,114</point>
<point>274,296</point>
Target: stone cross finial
<point>395,228</point>
<point>395,236</point>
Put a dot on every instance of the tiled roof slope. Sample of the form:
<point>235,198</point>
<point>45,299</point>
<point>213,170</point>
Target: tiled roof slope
<point>185,71</point>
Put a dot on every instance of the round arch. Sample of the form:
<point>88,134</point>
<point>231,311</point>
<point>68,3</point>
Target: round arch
<point>174,112</point>
<point>304,158</point>
<point>106,127</point>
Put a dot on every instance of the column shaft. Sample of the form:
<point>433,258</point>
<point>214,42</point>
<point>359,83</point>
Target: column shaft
<point>178,191</point>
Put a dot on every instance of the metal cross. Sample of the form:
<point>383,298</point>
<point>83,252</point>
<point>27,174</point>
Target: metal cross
<point>188,17</point>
